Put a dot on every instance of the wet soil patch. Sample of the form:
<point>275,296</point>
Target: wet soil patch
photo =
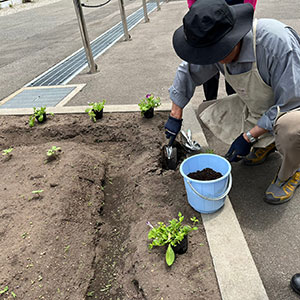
<point>83,233</point>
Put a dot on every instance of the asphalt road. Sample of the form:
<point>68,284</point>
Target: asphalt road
<point>34,40</point>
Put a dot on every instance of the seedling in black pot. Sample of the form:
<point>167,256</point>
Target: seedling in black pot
<point>96,110</point>
<point>148,104</point>
<point>173,235</point>
<point>39,115</point>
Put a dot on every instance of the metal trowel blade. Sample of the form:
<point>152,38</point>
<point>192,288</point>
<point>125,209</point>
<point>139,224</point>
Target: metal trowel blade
<point>171,157</point>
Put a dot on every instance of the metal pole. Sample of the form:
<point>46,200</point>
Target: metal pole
<point>157,4</point>
<point>145,11</point>
<point>84,36</point>
<point>124,22</point>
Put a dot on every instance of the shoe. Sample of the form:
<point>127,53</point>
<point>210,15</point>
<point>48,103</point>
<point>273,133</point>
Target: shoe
<point>258,155</point>
<point>295,283</point>
<point>280,191</point>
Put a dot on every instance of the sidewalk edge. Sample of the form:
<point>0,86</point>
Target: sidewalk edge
<point>236,272</point>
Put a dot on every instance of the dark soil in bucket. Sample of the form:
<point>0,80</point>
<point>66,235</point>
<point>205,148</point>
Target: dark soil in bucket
<point>205,174</point>
<point>85,236</point>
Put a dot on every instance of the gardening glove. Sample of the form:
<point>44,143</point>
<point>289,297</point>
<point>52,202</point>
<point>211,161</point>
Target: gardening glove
<point>172,127</point>
<point>238,149</point>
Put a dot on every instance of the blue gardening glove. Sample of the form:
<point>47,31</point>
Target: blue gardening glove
<point>172,127</point>
<point>239,148</point>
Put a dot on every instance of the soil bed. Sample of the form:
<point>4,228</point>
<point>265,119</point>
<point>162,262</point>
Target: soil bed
<point>84,235</point>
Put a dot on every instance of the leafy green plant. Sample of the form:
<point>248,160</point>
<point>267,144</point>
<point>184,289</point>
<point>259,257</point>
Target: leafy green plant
<point>38,114</point>
<point>4,290</point>
<point>7,151</point>
<point>149,102</point>
<point>53,153</point>
<point>37,194</point>
<point>170,235</point>
<point>95,107</point>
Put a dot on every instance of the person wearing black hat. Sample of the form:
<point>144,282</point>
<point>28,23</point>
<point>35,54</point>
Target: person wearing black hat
<point>261,60</point>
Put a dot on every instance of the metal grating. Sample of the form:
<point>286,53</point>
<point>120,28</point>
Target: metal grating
<point>63,72</point>
<point>28,98</point>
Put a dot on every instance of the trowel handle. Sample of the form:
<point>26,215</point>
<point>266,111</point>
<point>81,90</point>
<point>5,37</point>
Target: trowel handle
<point>171,141</point>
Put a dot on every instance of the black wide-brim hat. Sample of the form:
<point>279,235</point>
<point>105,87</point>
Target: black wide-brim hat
<point>210,31</point>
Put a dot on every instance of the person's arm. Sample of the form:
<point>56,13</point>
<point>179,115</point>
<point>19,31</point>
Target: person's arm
<point>278,61</point>
<point>256,132</point>
<point>187,78</point>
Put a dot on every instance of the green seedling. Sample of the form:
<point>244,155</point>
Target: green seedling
<point>13,294</point>
<point>24,235</point>
<point>67,248</point>
<point>170,235</point>
<point>37,194</point>
<point>4,290</point>
<point>95,107</point>
<point>90,294</point>
<point>148,102</point>
<point>7,151</point>
<point>38,114</point>
<point>53,153</point>
<point>211,151</point>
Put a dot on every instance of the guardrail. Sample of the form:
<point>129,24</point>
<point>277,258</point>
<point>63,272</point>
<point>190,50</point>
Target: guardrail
<point>83,30</point>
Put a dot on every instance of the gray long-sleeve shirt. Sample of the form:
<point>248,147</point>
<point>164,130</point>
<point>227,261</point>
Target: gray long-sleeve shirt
<point>278,62</point>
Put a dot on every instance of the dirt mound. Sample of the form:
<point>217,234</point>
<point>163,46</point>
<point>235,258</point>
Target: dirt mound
<point>82,234</point>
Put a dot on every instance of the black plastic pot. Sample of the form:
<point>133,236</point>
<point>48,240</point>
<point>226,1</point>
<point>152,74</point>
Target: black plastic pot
<point>99,114</point>
<point>149,113</point>
<point>182,247</point>
<point>44,118</point>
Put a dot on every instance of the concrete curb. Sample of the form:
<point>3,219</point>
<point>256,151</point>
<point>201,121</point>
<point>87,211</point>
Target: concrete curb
<point>80,109</point>
<point>235,269</point>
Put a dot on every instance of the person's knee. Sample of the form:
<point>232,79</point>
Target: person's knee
<point>287,131</point>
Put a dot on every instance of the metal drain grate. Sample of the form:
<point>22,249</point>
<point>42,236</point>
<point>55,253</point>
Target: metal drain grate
<point>37,97</point>
<point>63,72</point>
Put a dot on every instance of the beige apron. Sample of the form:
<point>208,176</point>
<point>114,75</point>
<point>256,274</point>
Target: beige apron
<point>230,116</point>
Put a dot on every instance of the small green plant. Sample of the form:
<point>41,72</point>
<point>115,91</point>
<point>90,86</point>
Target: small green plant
<point>38,114</point>
<point>4,290</point>
<point>37,194</point>
<point>7,151</point>
<point>149,102</point>
<point>170,235</point>
<point>95,107</point>
<point>53,153</point>
<point>67,248</point>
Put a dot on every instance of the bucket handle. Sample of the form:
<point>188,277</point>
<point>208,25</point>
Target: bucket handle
<point>217,198</point>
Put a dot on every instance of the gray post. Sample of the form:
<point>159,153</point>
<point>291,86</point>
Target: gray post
<point>124,22</point>
<point>145,11</point>
<point>157,4</point>
<point>84,36</point>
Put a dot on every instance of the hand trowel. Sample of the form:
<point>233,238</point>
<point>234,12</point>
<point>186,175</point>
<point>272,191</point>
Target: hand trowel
<point>171,154</point>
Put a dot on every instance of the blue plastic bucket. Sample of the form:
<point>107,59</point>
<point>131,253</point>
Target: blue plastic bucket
<point>206,196</point>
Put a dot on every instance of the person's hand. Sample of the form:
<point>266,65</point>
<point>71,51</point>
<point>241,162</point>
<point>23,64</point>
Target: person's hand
<point>238,149</point>
<point>172,128</point>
